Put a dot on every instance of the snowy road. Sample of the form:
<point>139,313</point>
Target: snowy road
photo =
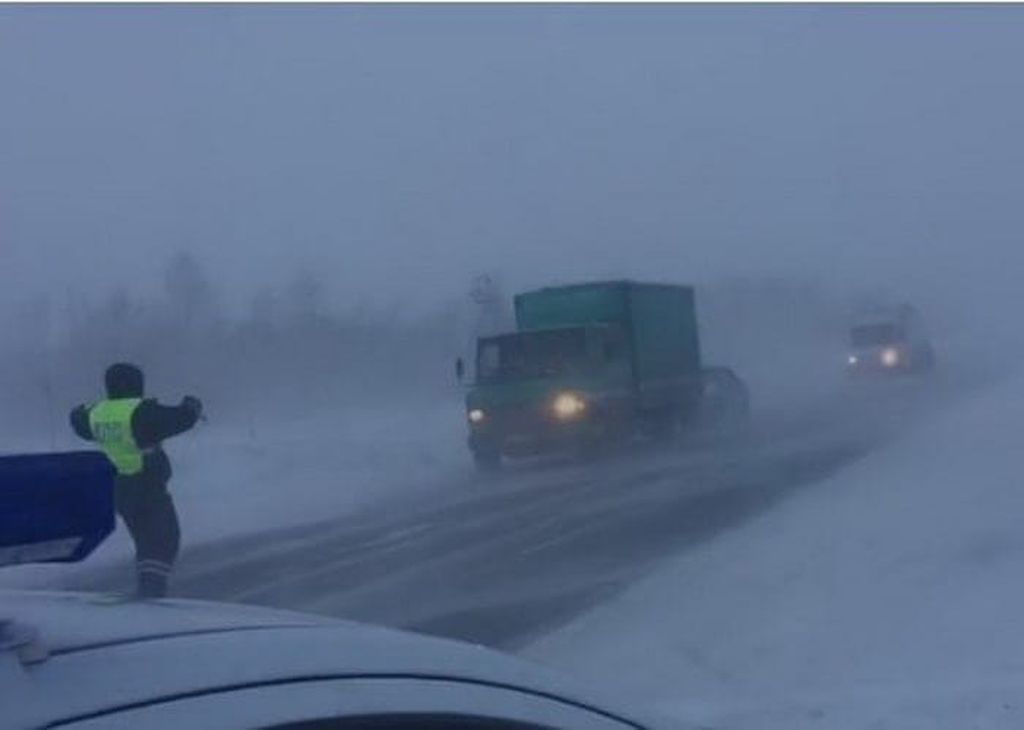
<point>503,561</point>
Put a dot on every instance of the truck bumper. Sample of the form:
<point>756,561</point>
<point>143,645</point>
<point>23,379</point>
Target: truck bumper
<point>544,438</point>
<point>871,369</point>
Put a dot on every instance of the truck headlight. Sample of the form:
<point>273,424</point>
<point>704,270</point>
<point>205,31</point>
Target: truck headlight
<point>476,415</point>
<point>852,360</point>
<point>890,357</point>
<point>568,406</point>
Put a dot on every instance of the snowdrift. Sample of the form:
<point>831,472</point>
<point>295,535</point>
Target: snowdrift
<point>889,596</point>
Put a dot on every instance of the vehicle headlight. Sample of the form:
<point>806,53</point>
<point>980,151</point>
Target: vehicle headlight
<point>853,360</point>
<point>568,405</point>
<point>476,415</point>
<point>890,357</point>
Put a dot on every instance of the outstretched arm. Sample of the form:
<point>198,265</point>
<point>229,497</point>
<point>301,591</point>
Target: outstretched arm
<point>80,422</point>
<point>154,422</point>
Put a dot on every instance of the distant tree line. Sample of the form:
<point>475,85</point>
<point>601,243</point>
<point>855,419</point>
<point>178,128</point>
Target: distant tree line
<point>288,355</point>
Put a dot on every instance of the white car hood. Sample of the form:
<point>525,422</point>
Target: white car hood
<point>104,656</point>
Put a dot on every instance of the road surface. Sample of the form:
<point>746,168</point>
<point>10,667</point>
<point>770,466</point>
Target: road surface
<point>500,561</point>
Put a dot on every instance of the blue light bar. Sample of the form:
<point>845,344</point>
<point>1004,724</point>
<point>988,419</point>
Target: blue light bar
<point>54,508</point>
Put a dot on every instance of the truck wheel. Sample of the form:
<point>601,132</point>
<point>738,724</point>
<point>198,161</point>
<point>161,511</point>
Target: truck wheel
<point>487,460</point>
<point>726,400</point>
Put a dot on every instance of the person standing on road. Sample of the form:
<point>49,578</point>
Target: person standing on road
<point>129,429</point>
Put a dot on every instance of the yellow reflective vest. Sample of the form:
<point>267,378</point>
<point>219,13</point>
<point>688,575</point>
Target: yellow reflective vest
<point>111,424</point>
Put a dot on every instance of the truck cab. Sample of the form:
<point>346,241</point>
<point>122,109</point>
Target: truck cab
<point>586,364</point>
<point>889,342</point>
<point>546,389</point>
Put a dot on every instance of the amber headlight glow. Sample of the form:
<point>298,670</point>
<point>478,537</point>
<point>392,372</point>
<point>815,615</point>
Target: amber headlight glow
<point>568,405</point>
<point>890,357</point>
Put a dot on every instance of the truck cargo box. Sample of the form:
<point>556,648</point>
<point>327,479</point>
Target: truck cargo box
<point>659,320</point>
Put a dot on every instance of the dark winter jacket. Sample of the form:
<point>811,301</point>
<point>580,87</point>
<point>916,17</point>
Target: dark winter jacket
<point>151,424</point>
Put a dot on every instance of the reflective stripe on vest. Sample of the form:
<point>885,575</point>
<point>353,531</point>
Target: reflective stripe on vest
<point>111,425</point>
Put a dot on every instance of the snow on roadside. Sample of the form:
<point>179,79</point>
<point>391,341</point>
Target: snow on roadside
<point>891,596</point>
<point>227,483</point>
<point>230,481</point>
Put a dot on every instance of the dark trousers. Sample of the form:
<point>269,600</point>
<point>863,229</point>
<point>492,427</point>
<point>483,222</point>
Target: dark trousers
<point>148,512</point>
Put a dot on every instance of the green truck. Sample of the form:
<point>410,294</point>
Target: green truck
<point>590,364</point>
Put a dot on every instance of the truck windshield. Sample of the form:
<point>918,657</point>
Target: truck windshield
<point>532,355</point>
<point>875,334</point>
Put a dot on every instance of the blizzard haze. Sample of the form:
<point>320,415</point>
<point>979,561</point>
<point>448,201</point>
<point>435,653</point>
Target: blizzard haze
<point>286,205</point>
<point>292,211</point>
<point>401,150</point>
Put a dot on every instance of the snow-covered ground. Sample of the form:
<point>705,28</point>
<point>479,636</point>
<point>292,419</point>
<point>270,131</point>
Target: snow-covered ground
<point>231,480</point>
<point>891,596</point>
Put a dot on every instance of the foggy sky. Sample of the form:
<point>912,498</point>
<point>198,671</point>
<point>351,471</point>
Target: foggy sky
<point>400,150</point>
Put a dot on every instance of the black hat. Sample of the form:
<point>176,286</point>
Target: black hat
<point>124,380</point>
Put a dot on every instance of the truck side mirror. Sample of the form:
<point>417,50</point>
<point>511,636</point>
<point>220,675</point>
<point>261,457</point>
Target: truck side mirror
<point>460,369</point>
